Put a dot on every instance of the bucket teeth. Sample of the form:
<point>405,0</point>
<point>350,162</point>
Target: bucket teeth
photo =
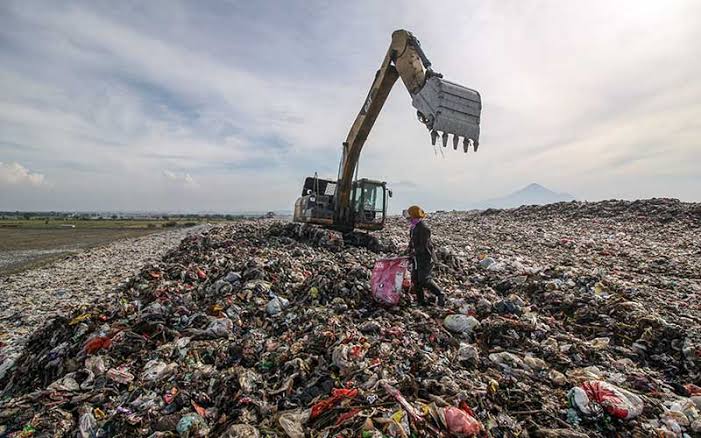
<point>466,142</point>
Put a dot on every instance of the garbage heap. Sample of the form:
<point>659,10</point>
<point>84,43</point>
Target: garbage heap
<point>557,325</point>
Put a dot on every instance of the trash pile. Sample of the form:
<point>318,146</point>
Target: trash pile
<point>656,210</point>
<point>31,297</point>
<point>555,326</point>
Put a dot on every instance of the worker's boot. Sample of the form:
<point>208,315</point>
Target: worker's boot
<point>421,298</point>
<point>436,290</point>
<point>441,300</point>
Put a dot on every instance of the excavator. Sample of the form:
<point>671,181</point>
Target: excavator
<point>349,203</point>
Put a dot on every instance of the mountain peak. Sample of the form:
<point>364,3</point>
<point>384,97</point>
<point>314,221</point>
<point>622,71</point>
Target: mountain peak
<point>535,187</point>
<point>532,194</point>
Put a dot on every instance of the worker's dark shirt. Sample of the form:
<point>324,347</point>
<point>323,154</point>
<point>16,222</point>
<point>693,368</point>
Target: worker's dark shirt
<point>421,247</point>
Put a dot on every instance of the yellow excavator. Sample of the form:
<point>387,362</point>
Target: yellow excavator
<point>443,107</point>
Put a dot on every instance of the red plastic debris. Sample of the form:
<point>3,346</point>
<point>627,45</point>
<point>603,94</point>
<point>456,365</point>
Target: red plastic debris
<point>692,389</point>
<point>394,331</point>
<point>356,351</point>
<point>465,407</point>
<point>199,409</point>
<point>97,343</point>
<point>169,396</point>
<point>336,396</point>
<point>617,402</point>
<point>394,392</point>
<point>201,274</point>
<point>347,416</point>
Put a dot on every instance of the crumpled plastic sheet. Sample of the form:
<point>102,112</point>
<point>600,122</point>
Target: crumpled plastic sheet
<point>592,396</point>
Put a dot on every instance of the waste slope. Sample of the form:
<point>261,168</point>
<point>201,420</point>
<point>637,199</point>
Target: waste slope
<point>246,331</point>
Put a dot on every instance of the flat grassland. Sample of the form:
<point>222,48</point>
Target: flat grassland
<point>25,244</point>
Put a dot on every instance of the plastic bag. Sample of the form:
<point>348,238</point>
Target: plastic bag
<point>459,323</point>
<point>192,425</point>
<point>277,305</point>
<point>97,343</point>
<point>248,380</point>
<point>120,375</point>
<point>87,423</point>
<point>593,395</point>
<point>96,364</point>
<point>460,423</point>
<point>241,431</point>
<point>155,370</point>
<point>292,422</point>
<point>387,280</point>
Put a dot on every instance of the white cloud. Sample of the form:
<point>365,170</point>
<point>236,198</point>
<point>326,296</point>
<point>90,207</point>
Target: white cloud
<point>18,175</point>
<point>186,180</point>
<point>170,175</point>
<point>584,99</point>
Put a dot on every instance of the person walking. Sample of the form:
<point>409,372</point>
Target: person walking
<point>421,254</point>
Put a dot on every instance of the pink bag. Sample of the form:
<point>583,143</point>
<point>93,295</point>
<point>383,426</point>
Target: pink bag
<point>387,279</point>
<point>460,423</point>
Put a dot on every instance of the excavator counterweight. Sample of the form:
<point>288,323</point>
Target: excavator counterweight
<point>444,107</point>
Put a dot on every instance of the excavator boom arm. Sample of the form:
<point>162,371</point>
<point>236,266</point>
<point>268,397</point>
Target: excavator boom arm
<point>441,105</point>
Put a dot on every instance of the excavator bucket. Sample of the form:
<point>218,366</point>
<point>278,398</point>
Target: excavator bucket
<point>449,108</point>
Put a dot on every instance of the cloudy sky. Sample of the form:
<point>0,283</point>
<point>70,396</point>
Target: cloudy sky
<point>227,106</point>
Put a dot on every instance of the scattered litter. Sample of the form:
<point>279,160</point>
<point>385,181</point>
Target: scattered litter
<point>261,328</point>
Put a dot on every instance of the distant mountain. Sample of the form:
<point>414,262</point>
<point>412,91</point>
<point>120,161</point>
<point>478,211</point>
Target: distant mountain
<point>532,194</point>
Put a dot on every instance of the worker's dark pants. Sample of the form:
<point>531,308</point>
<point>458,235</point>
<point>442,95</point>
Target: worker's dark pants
<point>425,281</point>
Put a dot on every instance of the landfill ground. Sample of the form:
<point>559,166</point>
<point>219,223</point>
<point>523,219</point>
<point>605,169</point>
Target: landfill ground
<point>567,320</point>
<point>23,249</point>
<point>29,244</point>
<point>92,262</point>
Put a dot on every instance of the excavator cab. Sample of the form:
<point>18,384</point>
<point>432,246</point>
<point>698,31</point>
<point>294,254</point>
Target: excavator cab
<point>369,199</point>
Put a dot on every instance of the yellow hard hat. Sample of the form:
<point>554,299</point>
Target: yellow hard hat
<point>414,212</point>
